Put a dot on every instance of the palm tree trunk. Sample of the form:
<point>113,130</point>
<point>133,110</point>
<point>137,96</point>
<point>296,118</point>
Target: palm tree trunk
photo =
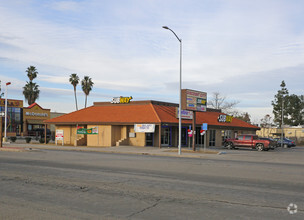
<point>85,101</point>
<point>75,98</point>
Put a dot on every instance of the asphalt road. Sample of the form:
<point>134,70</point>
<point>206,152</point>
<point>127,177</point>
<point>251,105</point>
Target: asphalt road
<point>50,184</point>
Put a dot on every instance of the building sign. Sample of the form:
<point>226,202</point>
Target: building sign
<point>87,131</point>
<point>225,118</point>
<point>59,135</point>
<point>144,128</point>
<point>12,103</point>
<point>194,100</point>
<point>36,114</point>
<point>121,100</point>
<point>185,114</point>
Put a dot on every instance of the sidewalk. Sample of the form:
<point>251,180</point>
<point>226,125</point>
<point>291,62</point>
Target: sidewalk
<point>154,151</point>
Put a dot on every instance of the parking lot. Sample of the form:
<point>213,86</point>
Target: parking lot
<point>63,182</point>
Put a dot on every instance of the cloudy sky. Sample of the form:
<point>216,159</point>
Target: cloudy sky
<point>240,48</point>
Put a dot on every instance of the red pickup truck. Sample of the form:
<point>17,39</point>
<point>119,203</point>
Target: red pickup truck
<point>248,141</point>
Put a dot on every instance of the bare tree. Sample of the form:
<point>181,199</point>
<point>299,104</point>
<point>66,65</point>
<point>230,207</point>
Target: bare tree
<point>267,123</point>
<point>219,102</point>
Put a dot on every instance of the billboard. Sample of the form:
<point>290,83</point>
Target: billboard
<point>194,100</point>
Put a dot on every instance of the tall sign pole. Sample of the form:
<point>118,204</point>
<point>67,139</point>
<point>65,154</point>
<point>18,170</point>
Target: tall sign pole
<point>194,101</point>
<point>282,124</point>
<point>1,129</point>
<point>5,117</point>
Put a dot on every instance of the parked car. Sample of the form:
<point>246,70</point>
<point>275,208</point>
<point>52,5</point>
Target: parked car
<point>273,142</point>
<point>39,132</point>
<point>248,141</point>
<point>286,142</point>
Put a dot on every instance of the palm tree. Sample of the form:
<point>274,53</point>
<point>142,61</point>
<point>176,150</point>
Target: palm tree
<point>31,73</point>
<point>74,80</point>
<point>87,86</point>
<point>31,92</point>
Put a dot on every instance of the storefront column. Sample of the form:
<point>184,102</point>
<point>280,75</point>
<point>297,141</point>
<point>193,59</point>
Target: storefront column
<point>75,143</point>
<point>44,133</point>
<point>0,131</point>
<point>159,136</point>
<point>194,130</point>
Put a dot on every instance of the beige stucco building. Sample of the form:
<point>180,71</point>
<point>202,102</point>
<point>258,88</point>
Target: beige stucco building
<point>112,124</point>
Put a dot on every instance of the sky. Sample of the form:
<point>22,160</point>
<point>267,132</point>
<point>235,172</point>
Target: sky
<point>242,49</point>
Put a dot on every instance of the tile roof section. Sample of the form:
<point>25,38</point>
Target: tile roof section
<point>110,114</point>
<point>140,113</point>
<point>167,114</point>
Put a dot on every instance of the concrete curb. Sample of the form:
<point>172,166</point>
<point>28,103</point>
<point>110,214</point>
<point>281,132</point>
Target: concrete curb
<point>10,149</point>
<point>133,151</point>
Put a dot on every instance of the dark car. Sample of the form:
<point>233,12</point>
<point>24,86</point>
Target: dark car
<point>40,132</point>
<point>286,142</point>
<point>273,142</point>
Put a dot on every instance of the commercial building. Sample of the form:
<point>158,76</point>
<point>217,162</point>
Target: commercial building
<point>33,117</point>
<point>294,133</point>
<point>24,121</point>
<point>144,123</point>
<point>14,116</point>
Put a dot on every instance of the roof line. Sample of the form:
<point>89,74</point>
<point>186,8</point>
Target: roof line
<point>155,112</point>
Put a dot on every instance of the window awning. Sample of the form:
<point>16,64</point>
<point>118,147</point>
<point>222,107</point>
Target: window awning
<point>34,121</point>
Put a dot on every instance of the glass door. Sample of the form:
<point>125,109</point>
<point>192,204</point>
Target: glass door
<point>165,136</point>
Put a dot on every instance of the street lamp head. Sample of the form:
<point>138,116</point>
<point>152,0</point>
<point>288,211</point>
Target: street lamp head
<point>165,27</point>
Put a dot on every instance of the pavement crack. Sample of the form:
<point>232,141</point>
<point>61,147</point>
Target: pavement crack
<point>145,209</point>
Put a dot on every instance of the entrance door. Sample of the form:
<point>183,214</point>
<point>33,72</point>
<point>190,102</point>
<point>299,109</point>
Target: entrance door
<point>149,139</point>
<point>165,136</point>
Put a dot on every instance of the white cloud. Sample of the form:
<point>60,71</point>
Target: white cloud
<point>65,5</point>
<point>240,48</point>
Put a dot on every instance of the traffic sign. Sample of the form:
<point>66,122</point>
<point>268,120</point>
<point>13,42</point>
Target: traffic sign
<point>205,126</point>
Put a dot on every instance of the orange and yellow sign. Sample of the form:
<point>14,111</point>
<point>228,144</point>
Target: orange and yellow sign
<point>12,103</point>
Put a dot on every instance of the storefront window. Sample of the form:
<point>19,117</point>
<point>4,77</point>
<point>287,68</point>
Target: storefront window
<point>13,119</point>
<point>184,136</point>
<point>199,139</point>
<point>212,138</point>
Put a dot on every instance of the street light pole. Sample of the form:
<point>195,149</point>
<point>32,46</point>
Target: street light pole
<point>5,117</point>
<point>282,124</point>
<point>180,93</point>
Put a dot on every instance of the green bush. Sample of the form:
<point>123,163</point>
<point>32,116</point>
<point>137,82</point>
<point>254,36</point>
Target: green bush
<point>41,140</point>
<point>13,139</point>
<point>28,139</point>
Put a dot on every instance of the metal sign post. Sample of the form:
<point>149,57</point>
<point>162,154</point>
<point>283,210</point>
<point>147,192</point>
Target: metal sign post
<point>0,131</point>
<point>205,128</point>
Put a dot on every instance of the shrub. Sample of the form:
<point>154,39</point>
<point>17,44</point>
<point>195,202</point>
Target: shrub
<point>13,139</point>
<point>41,140</point>
<point>28,139</point>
